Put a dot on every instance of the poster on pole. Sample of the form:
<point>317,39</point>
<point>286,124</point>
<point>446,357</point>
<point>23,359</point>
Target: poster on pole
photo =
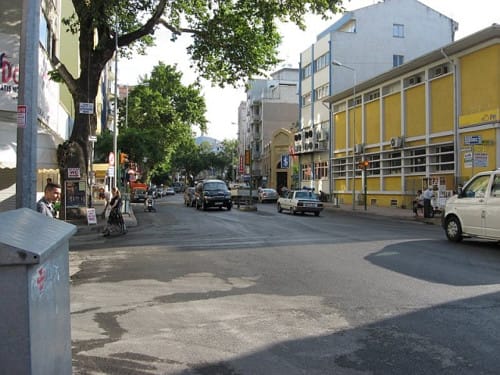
<point>91,216</point>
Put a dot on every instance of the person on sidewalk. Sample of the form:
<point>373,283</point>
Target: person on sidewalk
<point>418,202</point>
<point>107,197</point>
<point>428,195</point>
<point>115,218</point>
<point>51,195</point>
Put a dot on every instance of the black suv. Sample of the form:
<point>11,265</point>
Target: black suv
<point>212,193</point>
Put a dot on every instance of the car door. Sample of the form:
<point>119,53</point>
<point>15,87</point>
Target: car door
<point>492,209</point>
<point>471,206</point>
<point>287,200</point>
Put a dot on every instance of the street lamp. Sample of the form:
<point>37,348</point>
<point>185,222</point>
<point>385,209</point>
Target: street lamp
<point>337,63</point>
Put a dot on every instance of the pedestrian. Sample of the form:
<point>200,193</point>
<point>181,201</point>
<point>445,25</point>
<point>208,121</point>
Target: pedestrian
<point>418,202</point>
<point>428,195</point>
<point>51,195</point>
<point>115,218</point>
<point>107,197</point>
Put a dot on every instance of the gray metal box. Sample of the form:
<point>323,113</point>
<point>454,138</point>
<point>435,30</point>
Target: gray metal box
<point>35,322</point>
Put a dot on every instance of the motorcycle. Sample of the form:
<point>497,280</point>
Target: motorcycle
<point>149,204</point>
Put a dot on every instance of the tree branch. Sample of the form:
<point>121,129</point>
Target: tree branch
<point>175,30</point>
<point>148,27</point>
<point>65,75</point>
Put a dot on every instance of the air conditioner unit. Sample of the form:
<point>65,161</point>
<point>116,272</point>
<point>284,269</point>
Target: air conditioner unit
<point>396,142</point>
<point>322,135</point>
<point>358,149</point>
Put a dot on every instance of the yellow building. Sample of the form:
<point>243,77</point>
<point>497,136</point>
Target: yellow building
<point>278,148</point>
<point>434,120</point>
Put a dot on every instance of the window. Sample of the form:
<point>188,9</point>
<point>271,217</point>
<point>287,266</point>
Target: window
<point>397,60</point>
<point>375,94</point>
<point>321,92</point>
<point>321,169</point>
<point>46,36</point>
<point>306,99</point>
<point>443,159</point>
<point>415,161</point>
<point>307,172</point>
<point>477,188</point>
<point>339,167</point>
<point>398,30</point>
<point>322,62</point>
<point>392,163</point>
<point>306,71</point>
<point>349,27</point>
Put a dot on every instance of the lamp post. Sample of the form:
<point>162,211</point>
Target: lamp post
<point>337,63</point>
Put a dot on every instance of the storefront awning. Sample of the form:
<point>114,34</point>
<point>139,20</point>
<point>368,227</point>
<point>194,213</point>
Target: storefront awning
<point>46,147</point>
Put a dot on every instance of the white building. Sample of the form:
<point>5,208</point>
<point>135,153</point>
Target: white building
<point>362,44</point>
<point>54,123</point>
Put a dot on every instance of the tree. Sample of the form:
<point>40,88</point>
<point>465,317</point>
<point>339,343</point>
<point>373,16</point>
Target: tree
<point>231,40</point>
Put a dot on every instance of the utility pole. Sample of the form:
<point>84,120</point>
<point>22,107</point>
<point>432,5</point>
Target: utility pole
<point>28,106</point>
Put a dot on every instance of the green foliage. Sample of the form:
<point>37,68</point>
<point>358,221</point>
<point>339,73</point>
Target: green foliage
<point>161,114</point>
<point>232,40</point>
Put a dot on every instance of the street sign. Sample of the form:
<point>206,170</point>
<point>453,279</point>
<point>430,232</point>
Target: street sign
<point>86,108</point>
<point>473,140</point>
<point>92,138</point>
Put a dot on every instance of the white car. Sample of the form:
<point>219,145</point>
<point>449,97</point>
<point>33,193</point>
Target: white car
<point>300,201</point>
<point>475,210</point>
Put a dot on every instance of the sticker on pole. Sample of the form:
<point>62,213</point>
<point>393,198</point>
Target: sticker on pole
<point>21,116</point>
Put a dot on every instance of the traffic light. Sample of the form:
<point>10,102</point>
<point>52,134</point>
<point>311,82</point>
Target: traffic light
<point>363,164</point>
<point>123,158</point>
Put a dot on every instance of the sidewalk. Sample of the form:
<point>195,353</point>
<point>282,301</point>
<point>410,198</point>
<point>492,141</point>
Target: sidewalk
<point>83,227</point>
<point>400,213</point>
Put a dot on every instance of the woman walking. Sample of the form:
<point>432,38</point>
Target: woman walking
<point>115,219</point>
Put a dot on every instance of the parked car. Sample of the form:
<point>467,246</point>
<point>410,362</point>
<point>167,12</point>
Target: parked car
<point>268,195</point>
<point>213,193</point>
<point>139,195</point>
<point>189,197</point>
<point>300,201</point>
<point>475,210</point>
<point>169,191</point>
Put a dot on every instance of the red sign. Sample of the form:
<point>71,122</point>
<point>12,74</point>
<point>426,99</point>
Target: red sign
<point>111,159</point>
<point>241,164</point>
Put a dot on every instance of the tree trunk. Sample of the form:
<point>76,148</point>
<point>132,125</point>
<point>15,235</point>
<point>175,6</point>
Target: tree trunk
<point>74,153</point>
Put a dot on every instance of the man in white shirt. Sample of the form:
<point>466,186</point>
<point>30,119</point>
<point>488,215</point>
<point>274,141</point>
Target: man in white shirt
<point>428,195</point>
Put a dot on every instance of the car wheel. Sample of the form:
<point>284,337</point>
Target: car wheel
<point>292,210</point>
<point>453,229</point>
<point>228,207</point>
<point>316,214</point>
<point>279,208</point>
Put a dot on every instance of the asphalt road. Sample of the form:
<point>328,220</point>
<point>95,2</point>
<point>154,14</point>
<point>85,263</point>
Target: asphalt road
<point>232,292</point>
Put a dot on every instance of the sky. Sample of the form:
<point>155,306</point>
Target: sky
<point>222,104</point>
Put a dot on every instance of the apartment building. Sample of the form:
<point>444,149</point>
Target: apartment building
<point>363,43</point>
<point>432,121</point>
<point>271,104</point>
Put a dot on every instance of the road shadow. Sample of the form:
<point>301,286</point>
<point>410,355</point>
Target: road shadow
<point>424,260</point>
<point>452,338</point>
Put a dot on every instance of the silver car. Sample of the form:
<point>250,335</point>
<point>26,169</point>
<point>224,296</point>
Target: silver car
<point>268,195</point>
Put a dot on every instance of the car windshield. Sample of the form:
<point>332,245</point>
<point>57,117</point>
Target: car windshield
<point>306,194</point>
<point>215,186</point>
